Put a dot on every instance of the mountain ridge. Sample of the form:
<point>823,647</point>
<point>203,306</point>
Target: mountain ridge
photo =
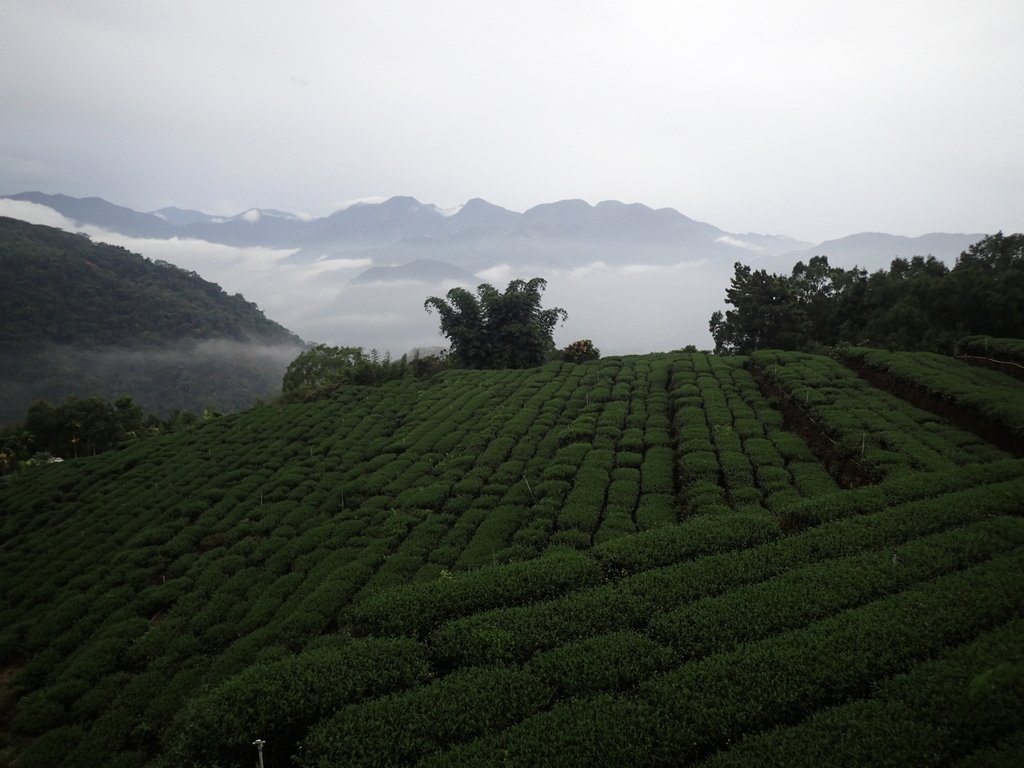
<point>479,234</point>
<point>368,224</point>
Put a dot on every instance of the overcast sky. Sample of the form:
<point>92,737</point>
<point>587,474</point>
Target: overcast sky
<point>814,119</point>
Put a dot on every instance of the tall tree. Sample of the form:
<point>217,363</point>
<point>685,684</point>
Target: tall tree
<point>986,291</point>
<point>319,366</point>
<point>917,304</point>
<point>825,293</point>
<point>322,366</point>
<point>904,307</point>
<point>498,330</point>
<point>767,314</point>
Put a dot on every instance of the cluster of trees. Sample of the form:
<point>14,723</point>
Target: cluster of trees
<point>323,368</point>
<point>81,427</point>
<point>190,376</point>
<point>488,330</point>
<point>917,304</point>
<point>498,330</point>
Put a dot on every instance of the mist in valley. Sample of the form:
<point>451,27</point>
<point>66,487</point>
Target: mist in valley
<point>213,374</point>
<point>623,308</point>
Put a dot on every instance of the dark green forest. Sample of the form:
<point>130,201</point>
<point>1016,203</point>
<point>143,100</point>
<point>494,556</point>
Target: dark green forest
<point>917,304</point>
<point>62,288</point>
<point>94,320</point>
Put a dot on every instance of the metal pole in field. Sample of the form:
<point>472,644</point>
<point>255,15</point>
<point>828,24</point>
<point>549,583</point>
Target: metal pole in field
<point>259,746</point>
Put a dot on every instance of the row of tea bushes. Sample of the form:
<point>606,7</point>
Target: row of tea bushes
<point>734,453</point>
<point>992,397</point>
<point>896,490</point>
<point>687,713</point>
<point>516,633</point>
<point>416,608</point>
<point>941,710</point>
<point>881,433</point>
<point>804,594</point>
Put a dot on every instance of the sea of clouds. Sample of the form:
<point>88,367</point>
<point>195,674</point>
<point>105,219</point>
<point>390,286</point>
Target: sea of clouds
<point>622,308</point>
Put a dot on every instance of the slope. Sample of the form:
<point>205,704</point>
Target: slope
<point>632,559</point>
<point>87,318</point>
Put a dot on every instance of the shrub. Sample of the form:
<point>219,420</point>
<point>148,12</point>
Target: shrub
<point>603,731</point>
<point>604,663</point>
<point>52,748</point>
<point>279,701</point>
<point>667,545</point>
<point>402,728</point>
<point>415,608</point>
<point>655,510</point>
<point>514,634</point>
<point>786,677</point>
<point>581,351</point>
<point>818,590</point>
<point>36,713</point>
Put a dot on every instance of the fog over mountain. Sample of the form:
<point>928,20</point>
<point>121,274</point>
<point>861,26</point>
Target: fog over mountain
<point>633,278</point>
<point>874,250</point>
<point>476,235</point>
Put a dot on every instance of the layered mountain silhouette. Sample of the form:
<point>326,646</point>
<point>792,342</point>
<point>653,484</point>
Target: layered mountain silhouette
<point>402,230</point>
<point>872,249</point>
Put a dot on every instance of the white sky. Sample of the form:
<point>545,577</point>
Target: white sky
<point>814,119</point>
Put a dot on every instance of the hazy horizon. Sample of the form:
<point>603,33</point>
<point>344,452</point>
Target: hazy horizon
<point>809,119</point>
<point>669,304</point>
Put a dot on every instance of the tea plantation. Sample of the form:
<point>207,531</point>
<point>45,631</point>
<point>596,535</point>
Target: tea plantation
<point>657,560</point>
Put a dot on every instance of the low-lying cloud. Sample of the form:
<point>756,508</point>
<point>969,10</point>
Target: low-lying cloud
<point>189,375</point>
<point>36,214</point>
<point>623,308</point>
<point>737,242</point>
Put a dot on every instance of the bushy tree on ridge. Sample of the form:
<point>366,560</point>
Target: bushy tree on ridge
<point>498,330</point>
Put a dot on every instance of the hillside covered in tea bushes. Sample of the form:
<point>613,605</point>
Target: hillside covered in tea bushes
<point>659,560</point>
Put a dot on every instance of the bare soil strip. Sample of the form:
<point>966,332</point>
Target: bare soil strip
<point>918,396</point>
<point>846,470</point>
<point>1008,367</point>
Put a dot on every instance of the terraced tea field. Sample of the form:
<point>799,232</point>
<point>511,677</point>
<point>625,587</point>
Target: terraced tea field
<point>657,560</point>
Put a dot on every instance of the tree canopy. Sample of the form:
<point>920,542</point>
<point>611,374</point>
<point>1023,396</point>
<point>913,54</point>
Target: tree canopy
<point>81,427</point>
<point>917,304</point>
<point>95,321</point>
<point>62,288</point>
<point>581,351</point>
<point>498,330</point>
<point>322,367</point>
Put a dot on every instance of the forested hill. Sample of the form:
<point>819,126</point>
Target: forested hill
<point>62,288</point>
<point>88,319</point>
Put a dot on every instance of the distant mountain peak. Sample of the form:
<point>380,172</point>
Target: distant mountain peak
<point>100,212</point>
<point>480,203</point>
<point>182,216</point>
<point>616,204</point>
<point>402,202</point>
<point>478,213</point>
<point>255,214</point>
<point>479,234</point>
<point>875,250</point>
